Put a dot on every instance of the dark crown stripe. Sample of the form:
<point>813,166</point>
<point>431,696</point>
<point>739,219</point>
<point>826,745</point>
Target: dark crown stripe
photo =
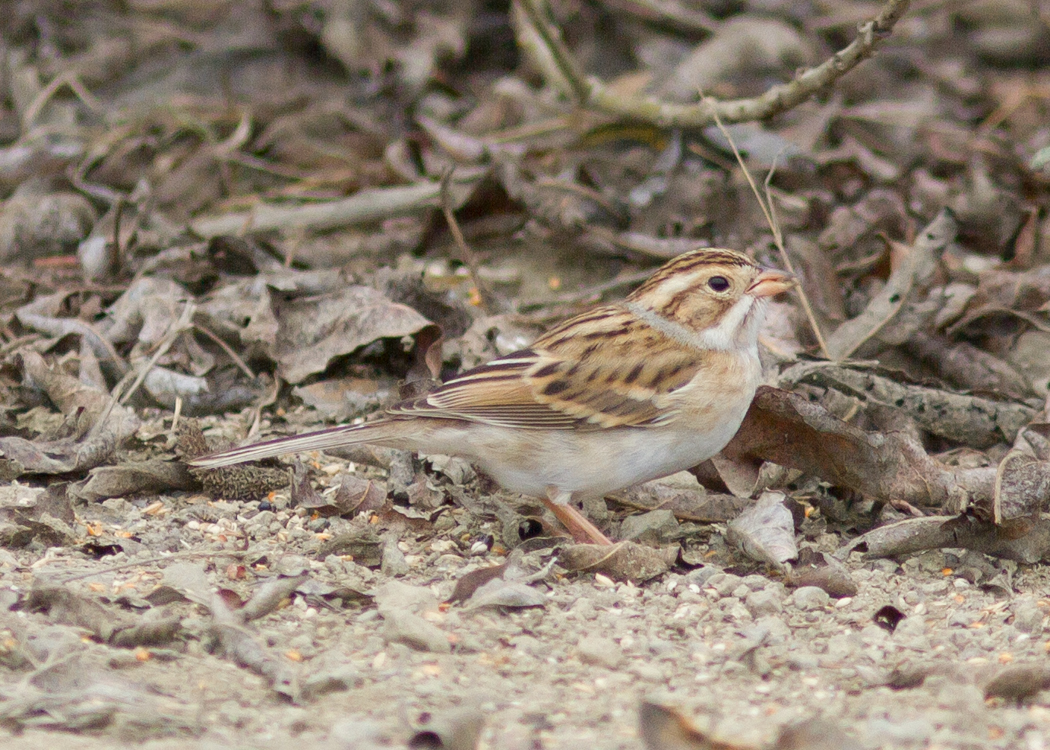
<point>691,261</point>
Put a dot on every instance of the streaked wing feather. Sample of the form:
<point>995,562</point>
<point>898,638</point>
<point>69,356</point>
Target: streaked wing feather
<point>603,369</point>
<point>495,393</point>
<point>629,383</point>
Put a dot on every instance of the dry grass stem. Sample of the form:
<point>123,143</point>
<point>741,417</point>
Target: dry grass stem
<point>241,364</point>
<point>363,207</point>
<point>183,323</point>
<point>466,255</point>
<point>769,212</point>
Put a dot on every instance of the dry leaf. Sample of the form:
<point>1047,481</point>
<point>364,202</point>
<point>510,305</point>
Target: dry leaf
<point>624,561</point>
<point>789,430</point>
<point>766,531</point>
<point>824,572</point>
<point>136,477</point>
<point>883,317</point>
<point>664,728</point>
<point>315,330</point>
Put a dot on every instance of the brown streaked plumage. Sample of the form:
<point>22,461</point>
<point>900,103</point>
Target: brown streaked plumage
<point>621,394</point>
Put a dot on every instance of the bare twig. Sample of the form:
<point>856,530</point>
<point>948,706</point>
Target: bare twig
<point>677,17</point>
<point>116,252</point>
<point>35,316</point>
<point>18,342</point>
<point>118,395</point>
<point>69,79</point>
<point>466,255</point>
<point>182,324</point>
<point>114,398</point>
<point>262,404</point>
<point>365,206</point>
<point>174,556</point>
<point>175,416</point>
<point>226,348</point>
<point>589,92</point>
<point>769,212</point>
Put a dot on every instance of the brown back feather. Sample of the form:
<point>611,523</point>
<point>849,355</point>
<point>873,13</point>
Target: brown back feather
<point>604,368</point>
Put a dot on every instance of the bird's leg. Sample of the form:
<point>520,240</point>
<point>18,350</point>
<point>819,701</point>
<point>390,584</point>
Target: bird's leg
<point>582,530</point>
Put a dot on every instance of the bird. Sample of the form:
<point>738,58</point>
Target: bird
<point>622,394</point>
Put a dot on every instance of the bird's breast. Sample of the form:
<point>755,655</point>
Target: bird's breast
<point>706,414</point>
<point>721,390</point>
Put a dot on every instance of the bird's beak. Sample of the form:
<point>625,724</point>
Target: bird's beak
<point>771,282</point>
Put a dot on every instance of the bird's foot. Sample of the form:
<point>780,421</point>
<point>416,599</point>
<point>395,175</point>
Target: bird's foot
<point>582,530</point>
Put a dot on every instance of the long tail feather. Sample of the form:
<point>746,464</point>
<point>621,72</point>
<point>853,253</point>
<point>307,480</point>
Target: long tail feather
<point>312,441</point>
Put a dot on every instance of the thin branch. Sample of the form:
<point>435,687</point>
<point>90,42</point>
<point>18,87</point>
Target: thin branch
<point>674,16</point>
<point>466,255</point>
<point>262,404</point>
<point>553,47</point>
<point>778,236</point>
<point>174,331</point>
<point>71,81</point>
<point>226,348</point>
<point>118,394</point>
<point>160,559</point>
<point>175,416</point>
<point>591,93</point>
<point>365,206</point>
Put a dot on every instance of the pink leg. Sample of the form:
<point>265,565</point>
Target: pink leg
<point>579,526</point>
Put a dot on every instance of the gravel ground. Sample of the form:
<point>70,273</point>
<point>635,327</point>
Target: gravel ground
<point>737,652</point>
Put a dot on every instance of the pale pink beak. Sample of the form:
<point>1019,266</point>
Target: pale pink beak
<point>771,282</point>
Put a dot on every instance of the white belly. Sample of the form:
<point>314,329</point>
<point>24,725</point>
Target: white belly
<point>586,463</point>
<point>591,463</point>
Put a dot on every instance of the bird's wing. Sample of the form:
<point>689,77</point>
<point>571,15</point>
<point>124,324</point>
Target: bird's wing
<point>605,368</point>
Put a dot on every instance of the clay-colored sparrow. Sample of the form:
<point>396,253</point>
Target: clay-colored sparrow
<point>622,394</point>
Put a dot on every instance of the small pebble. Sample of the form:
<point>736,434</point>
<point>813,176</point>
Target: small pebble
<point>766,602</point>
<point>1028,616</point>
<point>583,609</point>
<point>648,672</point>
<point>600,651</point>
<point>393,562</point>
<point>724,583</point>
<point>656,525</point>
<point>701,576</point>
<point>401,626</point>
<point>897,732</point>
<point>756,582</point>
<point>810,598</point>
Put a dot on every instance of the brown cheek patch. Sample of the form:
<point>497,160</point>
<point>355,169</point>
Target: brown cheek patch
<point>702,310</point>
<point>704,412</point>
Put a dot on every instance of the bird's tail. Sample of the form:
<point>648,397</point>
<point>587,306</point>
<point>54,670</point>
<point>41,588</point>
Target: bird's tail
<point>375,432</point>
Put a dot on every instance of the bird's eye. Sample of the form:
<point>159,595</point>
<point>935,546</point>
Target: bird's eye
<point>718,283</point>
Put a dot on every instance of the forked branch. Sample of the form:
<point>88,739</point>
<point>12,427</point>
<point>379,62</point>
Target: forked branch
<point>589,92</point>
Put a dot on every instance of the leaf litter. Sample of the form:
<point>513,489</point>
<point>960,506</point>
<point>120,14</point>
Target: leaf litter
<point>221,223</point>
